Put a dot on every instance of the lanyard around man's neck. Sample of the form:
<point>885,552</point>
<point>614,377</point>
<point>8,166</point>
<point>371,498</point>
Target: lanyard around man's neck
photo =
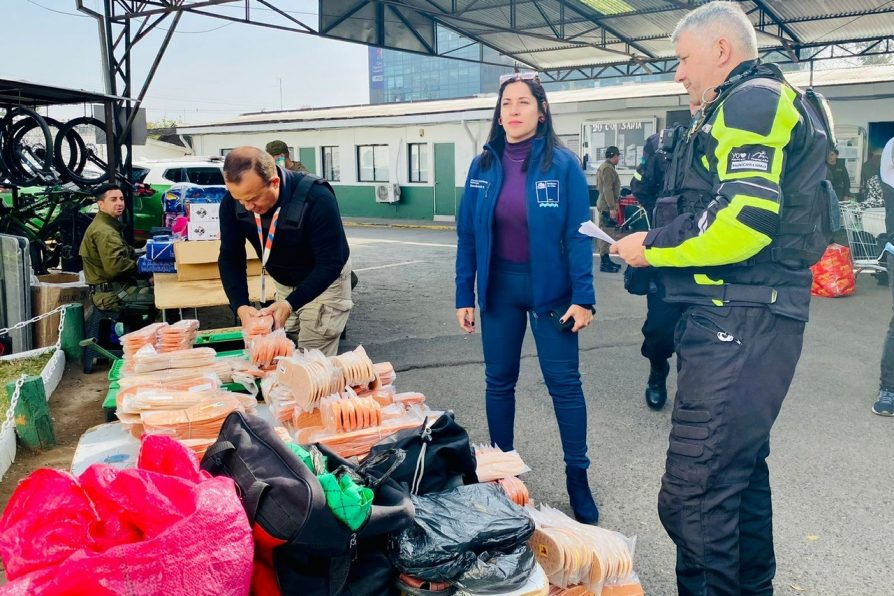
<point>268,244</point>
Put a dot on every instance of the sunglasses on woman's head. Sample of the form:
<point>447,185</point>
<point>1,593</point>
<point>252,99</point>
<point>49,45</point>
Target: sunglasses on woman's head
<point>519,76</point>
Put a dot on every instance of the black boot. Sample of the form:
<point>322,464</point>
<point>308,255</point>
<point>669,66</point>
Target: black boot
<point>656,390</point>
<point>606,265</point>
<point>582,504</point>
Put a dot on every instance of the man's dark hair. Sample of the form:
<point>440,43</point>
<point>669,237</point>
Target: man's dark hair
<point>242,159</point>
<point>99,193</point>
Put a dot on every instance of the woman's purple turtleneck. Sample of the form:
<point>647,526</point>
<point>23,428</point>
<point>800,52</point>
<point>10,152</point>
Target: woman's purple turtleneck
<point>511,215</point>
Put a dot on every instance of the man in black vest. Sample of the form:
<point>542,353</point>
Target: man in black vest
<point>293,222</point>
<point>749,213</point>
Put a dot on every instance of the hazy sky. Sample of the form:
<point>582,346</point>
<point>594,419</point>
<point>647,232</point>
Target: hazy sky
<point>210,71</point>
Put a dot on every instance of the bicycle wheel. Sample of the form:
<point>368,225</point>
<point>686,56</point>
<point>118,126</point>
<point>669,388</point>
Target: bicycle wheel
<point>89,130</point>
<point>29,159</point>
<point>68,155</point>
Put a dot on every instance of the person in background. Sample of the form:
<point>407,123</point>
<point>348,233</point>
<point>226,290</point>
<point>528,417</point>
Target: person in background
<point>734,246</point>
<point>293,222</point>
<point>838,176</point>
<point>884,405</point>
<point>608,184</point>
<point>110,263</point>
<point>661,316</point>
<point>279,151</point>
<point>524,199</point>
<point>871,183</point>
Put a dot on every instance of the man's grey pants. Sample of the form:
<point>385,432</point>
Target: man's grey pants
<point>319,323</point>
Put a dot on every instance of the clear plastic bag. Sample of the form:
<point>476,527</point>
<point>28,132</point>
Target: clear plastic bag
<point>178,336</point>
<point>147,359</point>
<point>573,554</point>
<point>494,463</point>
<point>264,350</point>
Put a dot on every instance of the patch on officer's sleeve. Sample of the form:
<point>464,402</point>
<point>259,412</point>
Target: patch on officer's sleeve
<point>750,158</point>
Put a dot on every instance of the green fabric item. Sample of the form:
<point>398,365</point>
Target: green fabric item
<point>302,454</point>
<point>348,501</point>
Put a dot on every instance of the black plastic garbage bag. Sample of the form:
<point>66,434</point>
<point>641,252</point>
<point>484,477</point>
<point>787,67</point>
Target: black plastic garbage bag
<point>453,527</point>
<point>498,573</point>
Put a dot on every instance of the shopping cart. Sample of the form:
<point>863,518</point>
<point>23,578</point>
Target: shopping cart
<point>862,228</point>
<point>633,216</point>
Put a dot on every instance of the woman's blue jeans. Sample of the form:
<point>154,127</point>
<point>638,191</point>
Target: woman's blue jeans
<point>503,327</point>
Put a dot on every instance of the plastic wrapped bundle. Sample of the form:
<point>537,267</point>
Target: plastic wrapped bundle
<point>264,350</point>
<point>347,414</point>
<point>356,368</point>
<point>177,375</point>
<point>385,373</point>
<point>147,359</point>
<point>147,336</point>
<point>308,378</point>
<point>494,463</point>
<point>179,336</point>
<point>256,326</point>
<point>201,421</point>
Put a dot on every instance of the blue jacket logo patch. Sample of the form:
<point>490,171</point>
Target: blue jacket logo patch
<point>547,193</point>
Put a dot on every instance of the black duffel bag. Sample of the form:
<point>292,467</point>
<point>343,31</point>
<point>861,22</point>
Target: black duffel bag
<point>300,546</point>
<point>439,456</point>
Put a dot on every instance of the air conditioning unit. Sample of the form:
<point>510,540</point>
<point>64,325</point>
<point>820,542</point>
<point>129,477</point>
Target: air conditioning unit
<point>387,193</point>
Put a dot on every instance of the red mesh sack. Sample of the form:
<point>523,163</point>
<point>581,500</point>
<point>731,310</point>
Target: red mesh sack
<point>165,527</point>
<point>833,274</point>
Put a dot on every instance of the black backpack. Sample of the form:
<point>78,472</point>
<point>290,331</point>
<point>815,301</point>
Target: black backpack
<point>309,550</point>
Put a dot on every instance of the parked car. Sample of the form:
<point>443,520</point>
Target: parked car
<point>160,175</point>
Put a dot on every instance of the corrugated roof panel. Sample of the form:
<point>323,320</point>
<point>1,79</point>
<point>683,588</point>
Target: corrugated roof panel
<point>847,28</point>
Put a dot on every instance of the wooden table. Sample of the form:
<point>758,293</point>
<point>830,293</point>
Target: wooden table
<point>171,293</point>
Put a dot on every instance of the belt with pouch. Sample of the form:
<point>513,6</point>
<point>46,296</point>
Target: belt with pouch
<point>115,287</point>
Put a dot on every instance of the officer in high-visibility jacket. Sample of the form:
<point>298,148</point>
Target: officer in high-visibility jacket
<point>749,214</point>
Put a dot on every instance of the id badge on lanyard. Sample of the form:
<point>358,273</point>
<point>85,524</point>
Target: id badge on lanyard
<point>268,244</point>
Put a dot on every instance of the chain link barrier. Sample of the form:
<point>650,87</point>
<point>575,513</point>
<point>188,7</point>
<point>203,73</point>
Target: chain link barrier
<point>9,421</point>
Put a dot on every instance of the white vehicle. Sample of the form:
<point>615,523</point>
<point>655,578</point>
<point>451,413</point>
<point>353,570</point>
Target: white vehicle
<point>161,174</point>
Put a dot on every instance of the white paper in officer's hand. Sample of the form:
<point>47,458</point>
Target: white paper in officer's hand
<point>588,228</point>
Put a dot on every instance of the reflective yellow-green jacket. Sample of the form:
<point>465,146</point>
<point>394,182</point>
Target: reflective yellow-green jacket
<point>749,183</point>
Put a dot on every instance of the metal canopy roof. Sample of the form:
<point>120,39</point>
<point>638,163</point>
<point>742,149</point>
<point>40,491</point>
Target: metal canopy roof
<point>605,37</point>
<point>565,39</point>
<point>35,94</point>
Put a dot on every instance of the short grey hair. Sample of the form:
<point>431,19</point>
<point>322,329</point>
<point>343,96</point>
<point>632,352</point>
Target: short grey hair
<point>728,17</point>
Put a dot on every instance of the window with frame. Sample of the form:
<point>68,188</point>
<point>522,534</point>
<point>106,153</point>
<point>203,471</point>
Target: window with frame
<point>173,175</point>
<point>372,163</point>
<point>331,167</point>
<point>418,156</point>
<point>205,176</point>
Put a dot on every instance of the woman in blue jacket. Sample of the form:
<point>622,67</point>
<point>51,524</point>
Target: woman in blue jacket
<point>524,200</point>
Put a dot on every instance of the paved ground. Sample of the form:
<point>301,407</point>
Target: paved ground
<point>832,458</point>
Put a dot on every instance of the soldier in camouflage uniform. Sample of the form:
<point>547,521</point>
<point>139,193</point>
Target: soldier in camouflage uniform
<point>110,264</point>
<point>280,152</point>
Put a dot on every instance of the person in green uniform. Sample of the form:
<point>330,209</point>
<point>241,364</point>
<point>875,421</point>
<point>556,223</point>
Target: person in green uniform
<point>280,153</point>
<point>110,264</point>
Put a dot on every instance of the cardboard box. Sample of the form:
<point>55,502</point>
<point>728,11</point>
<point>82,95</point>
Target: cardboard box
<point>56,289</point>
<point>203,230</point>
<point>204,212</point>
<point>198,260</point>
